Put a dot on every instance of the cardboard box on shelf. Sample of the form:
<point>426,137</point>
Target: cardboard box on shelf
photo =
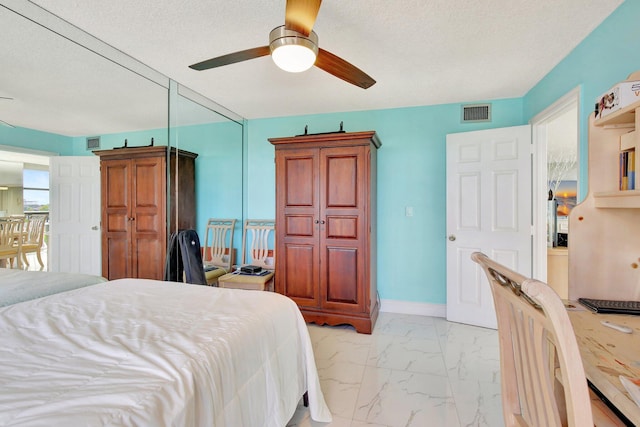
<point>619,96</point>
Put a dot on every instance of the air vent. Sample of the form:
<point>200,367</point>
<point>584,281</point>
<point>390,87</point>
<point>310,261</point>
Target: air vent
<point>476,113</point>
<point>93,143</point>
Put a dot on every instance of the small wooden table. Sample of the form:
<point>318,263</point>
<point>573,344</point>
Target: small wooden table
<point>608,353</point>
<point>244,281</point>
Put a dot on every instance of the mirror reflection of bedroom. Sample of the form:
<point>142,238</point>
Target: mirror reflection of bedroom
<point>97,98</point>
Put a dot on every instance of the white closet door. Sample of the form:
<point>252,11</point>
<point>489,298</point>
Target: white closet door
<point>488,210</point>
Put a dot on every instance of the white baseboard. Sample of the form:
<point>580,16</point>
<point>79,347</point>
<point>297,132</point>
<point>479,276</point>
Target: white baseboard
<point>408,307</point>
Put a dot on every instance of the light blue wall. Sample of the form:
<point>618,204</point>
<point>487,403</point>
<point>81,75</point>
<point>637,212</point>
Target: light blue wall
<point>218,172</point>
<point>608,55</point>
<point>411,172</point>
<point>36,140</point>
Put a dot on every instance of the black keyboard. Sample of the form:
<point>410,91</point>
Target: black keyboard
<point>611,306</point>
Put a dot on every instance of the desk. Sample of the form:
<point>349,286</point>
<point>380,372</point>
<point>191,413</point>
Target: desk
<point>607,353</point>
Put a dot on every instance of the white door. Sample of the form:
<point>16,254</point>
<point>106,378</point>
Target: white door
<point>74,229</point>
<point>488,210</point>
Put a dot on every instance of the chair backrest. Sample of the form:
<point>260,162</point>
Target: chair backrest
<point>538,348</point>
<point>35,229</point>
<point>218,243</point>
<point>258,243</point>
<point>10,231</point>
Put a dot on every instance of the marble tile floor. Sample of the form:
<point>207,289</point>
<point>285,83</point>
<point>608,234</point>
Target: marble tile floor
<point>412,371</point>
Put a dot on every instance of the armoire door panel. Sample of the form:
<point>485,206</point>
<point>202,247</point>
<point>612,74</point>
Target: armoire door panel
<point>117,222</point>
<point>299,272</point>
<point>118,257</point>
<point>299,181</point>
<point>341,227</point>
<point>299,225</point>
<point>341,180</point>
<point>148,187</point>
<point>342,275</point>
<point>117,179</point>
<point>147,222</point>
<point>148,177</point>
<point>146,260</point>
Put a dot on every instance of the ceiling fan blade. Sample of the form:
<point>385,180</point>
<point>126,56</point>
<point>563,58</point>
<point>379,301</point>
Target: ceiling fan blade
<point>232,58</point>
<point>300,15</point>
<point>340,68</point>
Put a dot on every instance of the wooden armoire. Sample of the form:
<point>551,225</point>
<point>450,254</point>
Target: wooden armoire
<point>147,194</point>
<point>326,226</point>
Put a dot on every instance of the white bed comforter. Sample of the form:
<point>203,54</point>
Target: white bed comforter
<point>150,353</point>
<point>19,285</point>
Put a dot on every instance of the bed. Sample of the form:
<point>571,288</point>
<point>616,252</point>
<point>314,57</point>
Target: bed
<point>19,285</point>
<point>144,352</point>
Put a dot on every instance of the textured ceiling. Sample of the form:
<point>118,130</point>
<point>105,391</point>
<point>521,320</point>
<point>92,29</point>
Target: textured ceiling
<point>421,52</point>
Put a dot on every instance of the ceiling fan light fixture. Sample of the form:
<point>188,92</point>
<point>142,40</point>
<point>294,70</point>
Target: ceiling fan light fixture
<point>292,51</point>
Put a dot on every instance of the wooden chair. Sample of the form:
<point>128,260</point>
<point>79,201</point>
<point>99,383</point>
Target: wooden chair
<point>258,248</point>
<point>34,238</point>
<point>543,379</point>
<point>11,233</point>
<point>218,255</point>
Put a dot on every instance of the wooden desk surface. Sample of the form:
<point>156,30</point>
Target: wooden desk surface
<point>607,354</point>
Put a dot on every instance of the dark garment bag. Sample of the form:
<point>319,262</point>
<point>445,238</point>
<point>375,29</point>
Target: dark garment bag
<point>173,262</point>
<point>184,258</point>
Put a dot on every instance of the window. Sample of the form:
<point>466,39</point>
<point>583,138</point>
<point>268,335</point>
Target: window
<point>35,192</point>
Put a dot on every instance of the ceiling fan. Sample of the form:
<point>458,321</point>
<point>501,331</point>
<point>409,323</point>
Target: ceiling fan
<point>294,47</point>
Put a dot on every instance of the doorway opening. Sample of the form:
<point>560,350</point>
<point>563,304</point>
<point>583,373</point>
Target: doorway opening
<point>555,183</point>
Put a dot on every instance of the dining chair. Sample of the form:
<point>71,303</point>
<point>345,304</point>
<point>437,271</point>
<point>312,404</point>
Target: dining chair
<point>542,376</point>
<point>34,237</point>
<point>11,234</point>
<point>258,249</point>
<point>218,255</point>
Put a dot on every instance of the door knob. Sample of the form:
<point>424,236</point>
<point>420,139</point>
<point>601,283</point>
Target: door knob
<point>95,227</point>
<point>452,237</point>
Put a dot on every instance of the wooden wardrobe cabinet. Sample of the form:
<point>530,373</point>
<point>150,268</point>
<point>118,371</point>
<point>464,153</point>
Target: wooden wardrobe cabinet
<point>326,226</point>
<point>147,193</point>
